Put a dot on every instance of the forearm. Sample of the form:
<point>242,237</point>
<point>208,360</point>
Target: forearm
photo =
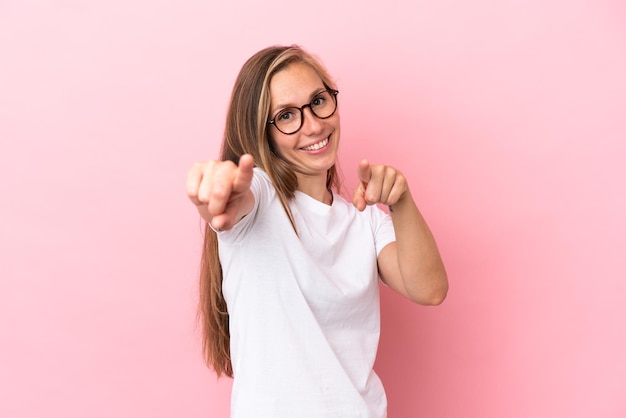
<point>420,266</point>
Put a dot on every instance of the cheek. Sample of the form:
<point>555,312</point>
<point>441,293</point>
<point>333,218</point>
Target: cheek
<point>336,122</point>
<point>337,127</point>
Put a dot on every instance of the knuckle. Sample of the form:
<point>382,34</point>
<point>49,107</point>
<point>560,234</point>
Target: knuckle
<point>200,166</point>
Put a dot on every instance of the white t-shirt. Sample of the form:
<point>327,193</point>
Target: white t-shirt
<point>304,309</point>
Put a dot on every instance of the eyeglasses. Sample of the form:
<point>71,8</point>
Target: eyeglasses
<point>290,120</point>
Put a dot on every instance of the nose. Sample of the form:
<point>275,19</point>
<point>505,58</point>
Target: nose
<point>311,124</point>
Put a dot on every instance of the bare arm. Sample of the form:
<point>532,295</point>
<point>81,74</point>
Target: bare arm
<point>221,191</point>
<point>412,265</point>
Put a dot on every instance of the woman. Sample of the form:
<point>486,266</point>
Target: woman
<point>289,297</point>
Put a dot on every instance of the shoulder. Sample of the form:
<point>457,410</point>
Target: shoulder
<point>261,185</point>
<point>370,211</point>
<point>259,174</point>
<point>372,215</point>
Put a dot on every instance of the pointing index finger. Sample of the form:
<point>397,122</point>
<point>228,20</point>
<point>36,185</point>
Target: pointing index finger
<point>245,172</point>
<point>365,172</point>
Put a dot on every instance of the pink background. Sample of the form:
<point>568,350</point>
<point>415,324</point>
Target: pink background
<point>508,118</point>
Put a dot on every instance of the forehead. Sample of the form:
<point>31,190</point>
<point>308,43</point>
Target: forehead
<point>294,84</point>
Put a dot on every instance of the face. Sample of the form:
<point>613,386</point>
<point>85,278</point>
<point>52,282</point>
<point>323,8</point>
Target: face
<point>313,149</point>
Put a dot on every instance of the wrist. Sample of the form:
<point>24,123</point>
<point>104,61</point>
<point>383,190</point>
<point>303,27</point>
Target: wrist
<point>403,204</point>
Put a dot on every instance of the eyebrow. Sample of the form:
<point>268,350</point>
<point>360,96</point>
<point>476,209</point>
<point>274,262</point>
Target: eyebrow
<point>288,105</point>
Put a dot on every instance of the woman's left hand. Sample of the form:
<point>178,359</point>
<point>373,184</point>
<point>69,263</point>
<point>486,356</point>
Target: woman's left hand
<point>378,184</point>
<point>411,265</point>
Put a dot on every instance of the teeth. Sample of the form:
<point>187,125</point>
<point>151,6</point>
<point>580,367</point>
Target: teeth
<point>317,146</point>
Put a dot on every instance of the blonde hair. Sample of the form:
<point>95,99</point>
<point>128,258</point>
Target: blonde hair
<point>246,132</point>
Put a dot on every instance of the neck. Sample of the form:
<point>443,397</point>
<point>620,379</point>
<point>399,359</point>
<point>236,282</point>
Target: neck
<point>316,188</point>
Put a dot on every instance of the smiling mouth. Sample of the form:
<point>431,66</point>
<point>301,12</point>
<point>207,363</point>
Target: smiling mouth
<point>317,146</point>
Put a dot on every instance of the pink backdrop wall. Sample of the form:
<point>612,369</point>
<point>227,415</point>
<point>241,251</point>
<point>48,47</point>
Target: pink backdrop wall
<point>508,117</point>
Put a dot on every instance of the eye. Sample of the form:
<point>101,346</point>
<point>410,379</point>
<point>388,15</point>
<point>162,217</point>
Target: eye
<point>285,115</point>
<point>318,101</point>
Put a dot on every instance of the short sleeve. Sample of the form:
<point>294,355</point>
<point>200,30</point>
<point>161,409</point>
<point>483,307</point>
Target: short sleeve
<point>384,233</point>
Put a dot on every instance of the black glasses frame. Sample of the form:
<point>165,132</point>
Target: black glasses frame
<point>309,105</point>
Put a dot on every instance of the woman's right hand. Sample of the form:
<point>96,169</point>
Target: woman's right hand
<point>221,190</point>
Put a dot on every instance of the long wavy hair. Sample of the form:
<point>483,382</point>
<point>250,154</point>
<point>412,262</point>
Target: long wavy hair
<point>246,132</point>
